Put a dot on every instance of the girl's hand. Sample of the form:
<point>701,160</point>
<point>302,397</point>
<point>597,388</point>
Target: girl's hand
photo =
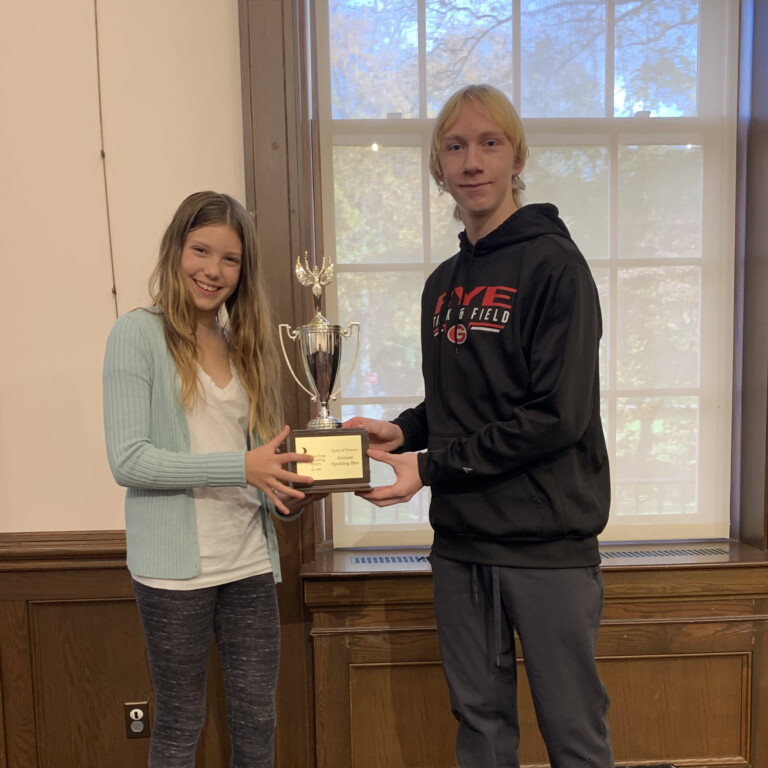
<point>294,505</point>
<point>264,468</point>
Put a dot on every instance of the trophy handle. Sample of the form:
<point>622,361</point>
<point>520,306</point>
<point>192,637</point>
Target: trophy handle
<point>346,333</point>
<point>293,335</point>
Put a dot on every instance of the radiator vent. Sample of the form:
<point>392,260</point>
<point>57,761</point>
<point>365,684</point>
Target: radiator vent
<point>641,553</point>
<point>387,559</point>
<point>421,562</point>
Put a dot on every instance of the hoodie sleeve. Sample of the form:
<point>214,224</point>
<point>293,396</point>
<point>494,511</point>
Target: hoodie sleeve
<point>413,422</point>
<point>562,339</point>
<point>134,457</point>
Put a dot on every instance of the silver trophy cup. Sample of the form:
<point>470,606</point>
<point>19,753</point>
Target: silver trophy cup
<point>320,344</point>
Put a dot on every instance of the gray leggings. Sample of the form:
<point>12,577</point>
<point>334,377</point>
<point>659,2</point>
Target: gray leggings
<point>178,626</point>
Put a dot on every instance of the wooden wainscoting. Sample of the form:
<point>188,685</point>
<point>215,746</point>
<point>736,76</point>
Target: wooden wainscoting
<point>72,653</point>
<point>682,651</point>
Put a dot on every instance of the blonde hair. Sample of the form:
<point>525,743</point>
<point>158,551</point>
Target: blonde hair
<point>498,108</point>
<point>248,323</point>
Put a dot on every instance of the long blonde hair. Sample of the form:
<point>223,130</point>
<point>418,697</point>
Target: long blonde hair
<point>248,324</point>
<point>499,108</point>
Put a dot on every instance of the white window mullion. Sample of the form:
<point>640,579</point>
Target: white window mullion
<point>610,45</point>
<point>517,34</point>
<point>422,13</point>
<point>613,203</point>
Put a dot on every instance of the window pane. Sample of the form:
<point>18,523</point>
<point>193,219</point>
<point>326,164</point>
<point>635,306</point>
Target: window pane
<point>444,227</point>
<point>467,43</point>
<point>656,58</point>
<point>377,204</point>
<point>660,201</point>
<point>389,362</point>
<point>658,327</point>
<point>357,511</point>
<point>602,278</point>
<point>563,58</point>
<point>374,59</point>
<point>576,178</point>
<point>656,454</point>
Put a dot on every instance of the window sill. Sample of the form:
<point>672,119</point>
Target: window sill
<point>665,555</point>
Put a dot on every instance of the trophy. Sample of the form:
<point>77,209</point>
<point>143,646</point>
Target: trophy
<point>340,461</point>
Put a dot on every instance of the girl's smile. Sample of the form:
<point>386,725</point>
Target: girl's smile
<point>207,288</point>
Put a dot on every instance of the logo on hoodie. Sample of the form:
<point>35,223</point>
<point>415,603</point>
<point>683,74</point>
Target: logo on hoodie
<point>457,334</point>
<point>484,308</point>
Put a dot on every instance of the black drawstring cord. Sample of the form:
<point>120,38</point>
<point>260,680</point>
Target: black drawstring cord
<point>447,305</point>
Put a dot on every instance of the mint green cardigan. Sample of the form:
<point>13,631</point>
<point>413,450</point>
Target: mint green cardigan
<point>149,453</point>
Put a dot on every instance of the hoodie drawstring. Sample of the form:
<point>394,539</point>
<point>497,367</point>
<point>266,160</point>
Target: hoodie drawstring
<point>447,305</point>
<point>496,613</point>
<point>495,605</point>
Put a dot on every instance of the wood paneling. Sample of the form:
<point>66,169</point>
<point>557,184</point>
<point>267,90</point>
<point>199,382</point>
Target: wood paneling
<point>392,706</point>
<point>16,685</point>
<point>387,723</point>
<point>681,650</point>
<point>691,706</point>
<point>72,653</point>
<point>93,650</point>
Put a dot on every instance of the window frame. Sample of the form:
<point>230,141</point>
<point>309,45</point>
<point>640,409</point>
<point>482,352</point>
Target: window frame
<point>709,128</point>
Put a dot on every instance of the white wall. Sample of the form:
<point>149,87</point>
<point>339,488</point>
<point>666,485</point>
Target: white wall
<point>163,77</point>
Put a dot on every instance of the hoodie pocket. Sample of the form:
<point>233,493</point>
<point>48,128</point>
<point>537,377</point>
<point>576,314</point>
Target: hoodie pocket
<point>523,506</point>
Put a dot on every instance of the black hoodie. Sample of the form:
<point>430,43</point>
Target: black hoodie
<point>516,456</point>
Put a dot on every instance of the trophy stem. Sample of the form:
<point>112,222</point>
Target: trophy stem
<point>324,420</point>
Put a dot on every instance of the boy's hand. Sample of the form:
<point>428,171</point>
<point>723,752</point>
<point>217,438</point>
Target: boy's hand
<point>407,482</point>
<point>382,435</point>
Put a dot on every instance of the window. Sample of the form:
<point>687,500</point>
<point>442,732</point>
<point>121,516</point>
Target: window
<point>631,130</point>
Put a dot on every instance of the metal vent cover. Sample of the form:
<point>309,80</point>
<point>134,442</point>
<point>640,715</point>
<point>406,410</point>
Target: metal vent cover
<point>399,562</point>
<point>387,559</point>
<point>676,552</point>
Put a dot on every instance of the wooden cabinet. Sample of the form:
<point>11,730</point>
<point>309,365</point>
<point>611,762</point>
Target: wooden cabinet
<point>682,651</point>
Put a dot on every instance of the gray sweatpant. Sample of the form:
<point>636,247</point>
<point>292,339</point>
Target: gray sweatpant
<point>178,627</point>
<point>556,613</point>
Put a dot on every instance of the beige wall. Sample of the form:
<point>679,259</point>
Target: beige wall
<point>163,77</point>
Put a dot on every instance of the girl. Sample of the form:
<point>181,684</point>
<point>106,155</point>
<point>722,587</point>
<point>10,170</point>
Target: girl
<point>187,396</point>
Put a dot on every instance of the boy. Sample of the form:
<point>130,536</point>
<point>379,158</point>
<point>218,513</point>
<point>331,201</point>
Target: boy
<point>516,458</point>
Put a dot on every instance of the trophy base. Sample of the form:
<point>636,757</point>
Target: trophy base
<point>340,460</point>
<point>324,422</point>
<point>317,488</point>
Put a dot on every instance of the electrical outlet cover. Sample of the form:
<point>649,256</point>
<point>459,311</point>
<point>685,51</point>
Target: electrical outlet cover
<point>136,719</point>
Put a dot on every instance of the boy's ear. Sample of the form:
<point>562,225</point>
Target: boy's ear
<point>519,167</point>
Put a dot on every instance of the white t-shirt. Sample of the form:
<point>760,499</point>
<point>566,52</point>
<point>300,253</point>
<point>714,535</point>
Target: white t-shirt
<point>229,529</point>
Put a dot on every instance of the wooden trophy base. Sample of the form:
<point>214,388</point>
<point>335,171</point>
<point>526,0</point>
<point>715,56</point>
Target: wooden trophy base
<point>340,460</point>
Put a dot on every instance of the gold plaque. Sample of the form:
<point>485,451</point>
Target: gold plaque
<point>340,461</point>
